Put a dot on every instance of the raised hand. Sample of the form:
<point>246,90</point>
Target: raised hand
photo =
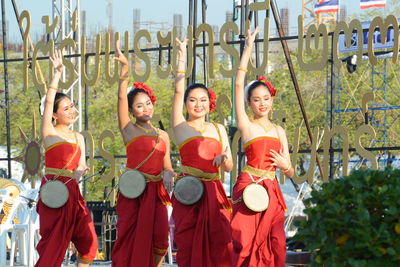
<point>279,160</point>
<point>119,56</point>
<point>182,46</point>
<point>56,59</point>
<point>251,36</point>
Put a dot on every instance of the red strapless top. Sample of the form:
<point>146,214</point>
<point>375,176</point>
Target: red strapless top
<point>59,154</point>
<point>139,148</point>
<point>199,152</point>
<point>258,153</point>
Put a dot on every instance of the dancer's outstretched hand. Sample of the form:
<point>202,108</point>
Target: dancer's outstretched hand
<point>251,36</point>
<point>56,60</point>
<point>182,46</point>
<point>119,56</point>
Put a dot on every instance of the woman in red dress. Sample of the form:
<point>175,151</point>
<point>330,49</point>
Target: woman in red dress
<point>64,161</point>
<point>142,227</point>
<point>259,237</point>
<point>202,235</point>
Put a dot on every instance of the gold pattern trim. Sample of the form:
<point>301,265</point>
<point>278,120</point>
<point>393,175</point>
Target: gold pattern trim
<point>259,172</point>
<point>148,177</point>
<point>160,251</point>
<point>59,172</point>
<point>201,175</point>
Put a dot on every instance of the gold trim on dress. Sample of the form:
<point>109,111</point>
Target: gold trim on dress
<point>201,175</point>
<point>248,142</point>
<point>259,172</point>
<point>148,177</point>
<point>59,172</point>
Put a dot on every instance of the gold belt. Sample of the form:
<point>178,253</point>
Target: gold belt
<point>201,175</point>
<point>59,172</point>
<point>149,177</point>
<point>259,172</point>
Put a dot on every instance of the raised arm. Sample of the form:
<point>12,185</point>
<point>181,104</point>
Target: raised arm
<point>123,109</point>
<point>177,106</point>
<point>241,116</point>
<point>47,127</point>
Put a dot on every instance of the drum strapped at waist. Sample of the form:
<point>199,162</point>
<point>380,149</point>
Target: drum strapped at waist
<point>148,177</point>
<point>199,174</point>
<point>262,174</point>
<point>59,172</point>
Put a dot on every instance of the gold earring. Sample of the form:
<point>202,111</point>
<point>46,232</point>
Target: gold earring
<point>55,122</point>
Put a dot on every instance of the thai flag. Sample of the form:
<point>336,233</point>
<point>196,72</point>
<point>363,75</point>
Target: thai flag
<point>372,3</point>
<point>325,6</point>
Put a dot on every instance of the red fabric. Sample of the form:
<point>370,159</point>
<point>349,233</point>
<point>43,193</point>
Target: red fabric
<point>71,222</point>
<point>203,235</point>
<point>259,238</point>
<point>142,227</point>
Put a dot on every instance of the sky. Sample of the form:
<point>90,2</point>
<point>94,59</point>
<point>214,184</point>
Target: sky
<point>151,10</point>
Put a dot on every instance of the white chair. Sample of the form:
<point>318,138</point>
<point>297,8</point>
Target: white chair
<point>23,234</point>
<point>5,228</point>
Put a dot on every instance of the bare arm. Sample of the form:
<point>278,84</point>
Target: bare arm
<point>123,109</point>
<point>82,168</point>
<point>241,116</point>
<point>227,164</point>
<point>47,127</point>
<point>177,106</point>
<point>168,173</point>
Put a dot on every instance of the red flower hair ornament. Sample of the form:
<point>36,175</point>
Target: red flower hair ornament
<point>147,89</point>
<point>213,99</point>
<point>268,84</point>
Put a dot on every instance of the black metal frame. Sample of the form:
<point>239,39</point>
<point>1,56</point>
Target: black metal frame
<point>193,17</point>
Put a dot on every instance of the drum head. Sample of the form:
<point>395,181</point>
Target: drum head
<point>255,197</point>
<point>188,190</point>
<point>54,194</point>
<point>132,184</point>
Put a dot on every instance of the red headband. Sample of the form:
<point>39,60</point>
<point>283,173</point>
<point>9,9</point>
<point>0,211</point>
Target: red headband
<point>268,84</point>
<point>147,89</point>
<point>213,99</point>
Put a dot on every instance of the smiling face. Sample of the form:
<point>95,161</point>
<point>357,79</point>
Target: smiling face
<point>197,103</point>
<point>142,108</point>
<point>66,112</point>
<point>260,101</point>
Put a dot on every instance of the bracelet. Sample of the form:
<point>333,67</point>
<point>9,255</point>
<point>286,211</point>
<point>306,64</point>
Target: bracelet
<point>181,71</point>
<point>181,60</point>
<point>53,88</point>
<point>123,78</point>
<point>242,69</point>
<point>288,169</point>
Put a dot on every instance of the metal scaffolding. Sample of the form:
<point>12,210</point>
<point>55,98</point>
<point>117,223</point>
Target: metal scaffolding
<point>69,13</point>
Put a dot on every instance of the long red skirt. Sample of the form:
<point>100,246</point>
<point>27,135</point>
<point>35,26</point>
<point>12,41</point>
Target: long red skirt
<point>203,235</point>
<point>58,227</point>
<point>258,238</point>
<point>142,229</point>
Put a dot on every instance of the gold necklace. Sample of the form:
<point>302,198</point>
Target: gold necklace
<point>201,131</point>
<point>144,129</point>
<point>68,135</point>
<point>266,128</point>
